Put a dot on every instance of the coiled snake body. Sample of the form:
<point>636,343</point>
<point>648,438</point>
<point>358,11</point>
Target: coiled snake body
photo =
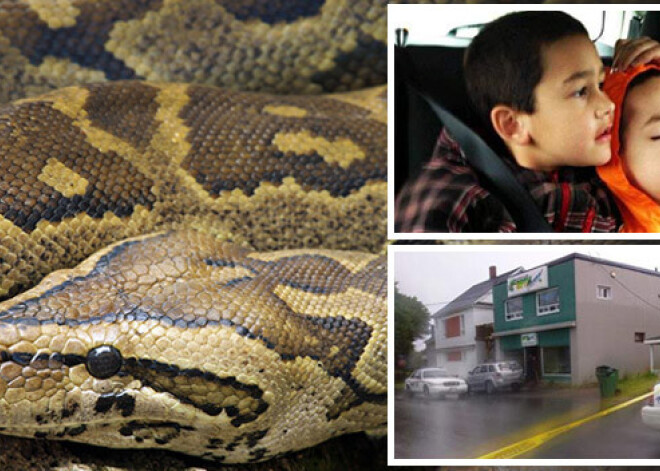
<point>181,330</point>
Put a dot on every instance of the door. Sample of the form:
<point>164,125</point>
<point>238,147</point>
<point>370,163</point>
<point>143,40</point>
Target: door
<point>532,364</point>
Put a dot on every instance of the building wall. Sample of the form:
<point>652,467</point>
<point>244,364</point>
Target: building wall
<point>482,355</point>
<point>462,340</point>
<point>473,352</point>
<point>483,315</point>
<point>458,368</point>
<point>606,328</point>
<point>560,275</point>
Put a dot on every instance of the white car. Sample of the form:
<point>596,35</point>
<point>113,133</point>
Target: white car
<point>435,381</point>
<point>651,412</point>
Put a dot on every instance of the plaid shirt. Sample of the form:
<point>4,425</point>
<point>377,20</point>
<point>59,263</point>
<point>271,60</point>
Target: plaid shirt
<point>447,197</point>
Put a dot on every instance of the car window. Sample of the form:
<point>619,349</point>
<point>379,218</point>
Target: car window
<point>435,374</point>
<point>433,26</point>
<point>484,369</point>
<point>416,374</point>
<point>491,368</point>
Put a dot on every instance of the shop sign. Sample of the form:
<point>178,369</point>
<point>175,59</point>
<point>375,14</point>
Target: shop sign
<point>526,282</point>
<point>529,340</point>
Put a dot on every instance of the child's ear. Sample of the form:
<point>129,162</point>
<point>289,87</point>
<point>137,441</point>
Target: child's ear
<point>510,125</point>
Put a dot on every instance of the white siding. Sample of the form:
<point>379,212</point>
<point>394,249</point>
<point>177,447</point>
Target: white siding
<point>483,315</point>
<point>473,352</point>
<point>458,368</point>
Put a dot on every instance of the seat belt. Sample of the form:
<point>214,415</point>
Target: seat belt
<point>491,167</point>
<point>487,164</point>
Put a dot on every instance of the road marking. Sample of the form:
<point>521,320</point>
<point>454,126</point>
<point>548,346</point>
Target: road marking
<point>523,446</point>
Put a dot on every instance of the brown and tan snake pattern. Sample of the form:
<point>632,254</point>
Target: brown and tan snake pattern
<point>215,310</point>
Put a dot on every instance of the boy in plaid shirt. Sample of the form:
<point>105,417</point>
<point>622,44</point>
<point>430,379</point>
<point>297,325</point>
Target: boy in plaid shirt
<point>535,78</point>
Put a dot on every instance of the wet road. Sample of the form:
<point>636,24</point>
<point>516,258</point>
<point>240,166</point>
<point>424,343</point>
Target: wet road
<point>618,435</point>
<point>471,427</point>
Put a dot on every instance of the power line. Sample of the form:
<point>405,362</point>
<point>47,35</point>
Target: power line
<point>620,283</point>
<point>439,302</point>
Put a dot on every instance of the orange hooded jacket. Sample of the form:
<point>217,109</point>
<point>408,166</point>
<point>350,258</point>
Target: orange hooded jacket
<point>640,213</point>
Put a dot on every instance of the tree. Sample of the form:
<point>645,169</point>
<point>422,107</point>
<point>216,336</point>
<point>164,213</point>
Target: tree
<point>411,320</point>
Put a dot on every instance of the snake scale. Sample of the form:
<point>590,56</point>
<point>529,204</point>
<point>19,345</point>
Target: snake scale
<point>188,260</point>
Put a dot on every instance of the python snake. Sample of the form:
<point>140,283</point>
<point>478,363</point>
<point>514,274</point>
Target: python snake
<point>214,309</point>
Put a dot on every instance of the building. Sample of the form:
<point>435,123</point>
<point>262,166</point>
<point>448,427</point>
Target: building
<point>462,329</point>
<point>563,319</point>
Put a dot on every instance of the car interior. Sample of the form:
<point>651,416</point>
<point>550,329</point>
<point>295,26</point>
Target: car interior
<point>428,76</point>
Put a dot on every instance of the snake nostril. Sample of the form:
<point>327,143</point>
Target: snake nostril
<point>104,361</point>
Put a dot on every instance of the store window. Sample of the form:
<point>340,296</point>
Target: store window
<point>513,309</point>
<point>556,361</point>
<point>603,292</point>
<point>547,302</point>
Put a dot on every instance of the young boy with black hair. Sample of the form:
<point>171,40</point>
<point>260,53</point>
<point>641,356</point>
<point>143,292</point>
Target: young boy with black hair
<point>534,78</point>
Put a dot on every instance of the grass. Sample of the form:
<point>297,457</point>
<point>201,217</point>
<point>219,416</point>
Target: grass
<point>630,386</point>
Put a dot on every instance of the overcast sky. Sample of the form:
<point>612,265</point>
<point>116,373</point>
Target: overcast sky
<point>436,275</point>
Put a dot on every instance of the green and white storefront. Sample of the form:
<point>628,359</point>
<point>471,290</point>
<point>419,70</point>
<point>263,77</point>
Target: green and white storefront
<point>563,319</point>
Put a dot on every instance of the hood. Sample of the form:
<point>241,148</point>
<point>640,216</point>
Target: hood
<point>639,211</point>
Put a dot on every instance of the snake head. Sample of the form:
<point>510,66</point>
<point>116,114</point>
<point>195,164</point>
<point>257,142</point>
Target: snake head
<point>179,341</point>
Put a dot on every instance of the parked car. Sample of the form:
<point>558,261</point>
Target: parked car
<point>651,411</point>
<point>491,377</point>
<point>435,381</point>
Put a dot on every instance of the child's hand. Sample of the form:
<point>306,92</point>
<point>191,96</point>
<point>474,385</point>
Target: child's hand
<point>631,52</point>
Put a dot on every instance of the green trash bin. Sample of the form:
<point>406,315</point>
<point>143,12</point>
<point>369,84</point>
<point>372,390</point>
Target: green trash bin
<point>608,378</point>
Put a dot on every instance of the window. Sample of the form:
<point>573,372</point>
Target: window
<point>603,292</point>
<point>513,309</point>
<point>454,327</point>
<point>432,26</point>
<point>436,373</point>
<point>454,356</point>
<point>547,302</point>
<point>639,337</point>
<point>556,361</point>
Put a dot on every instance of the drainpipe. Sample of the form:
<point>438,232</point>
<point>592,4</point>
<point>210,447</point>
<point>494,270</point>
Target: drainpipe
<point>651,351</point>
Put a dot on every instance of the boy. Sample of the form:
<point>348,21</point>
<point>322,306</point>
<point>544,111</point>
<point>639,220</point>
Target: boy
<point>534,78</point>
<point>633,173</point>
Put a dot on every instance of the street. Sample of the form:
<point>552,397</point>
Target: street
<point>480,424</point>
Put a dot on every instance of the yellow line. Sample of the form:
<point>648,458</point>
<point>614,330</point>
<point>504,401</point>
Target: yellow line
<point>523,446</point>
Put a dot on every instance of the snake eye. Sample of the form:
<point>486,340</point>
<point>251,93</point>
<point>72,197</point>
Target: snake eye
<point>104,361</point>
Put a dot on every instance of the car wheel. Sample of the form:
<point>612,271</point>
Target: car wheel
<point>427,393</point>
<point>490,387</point>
